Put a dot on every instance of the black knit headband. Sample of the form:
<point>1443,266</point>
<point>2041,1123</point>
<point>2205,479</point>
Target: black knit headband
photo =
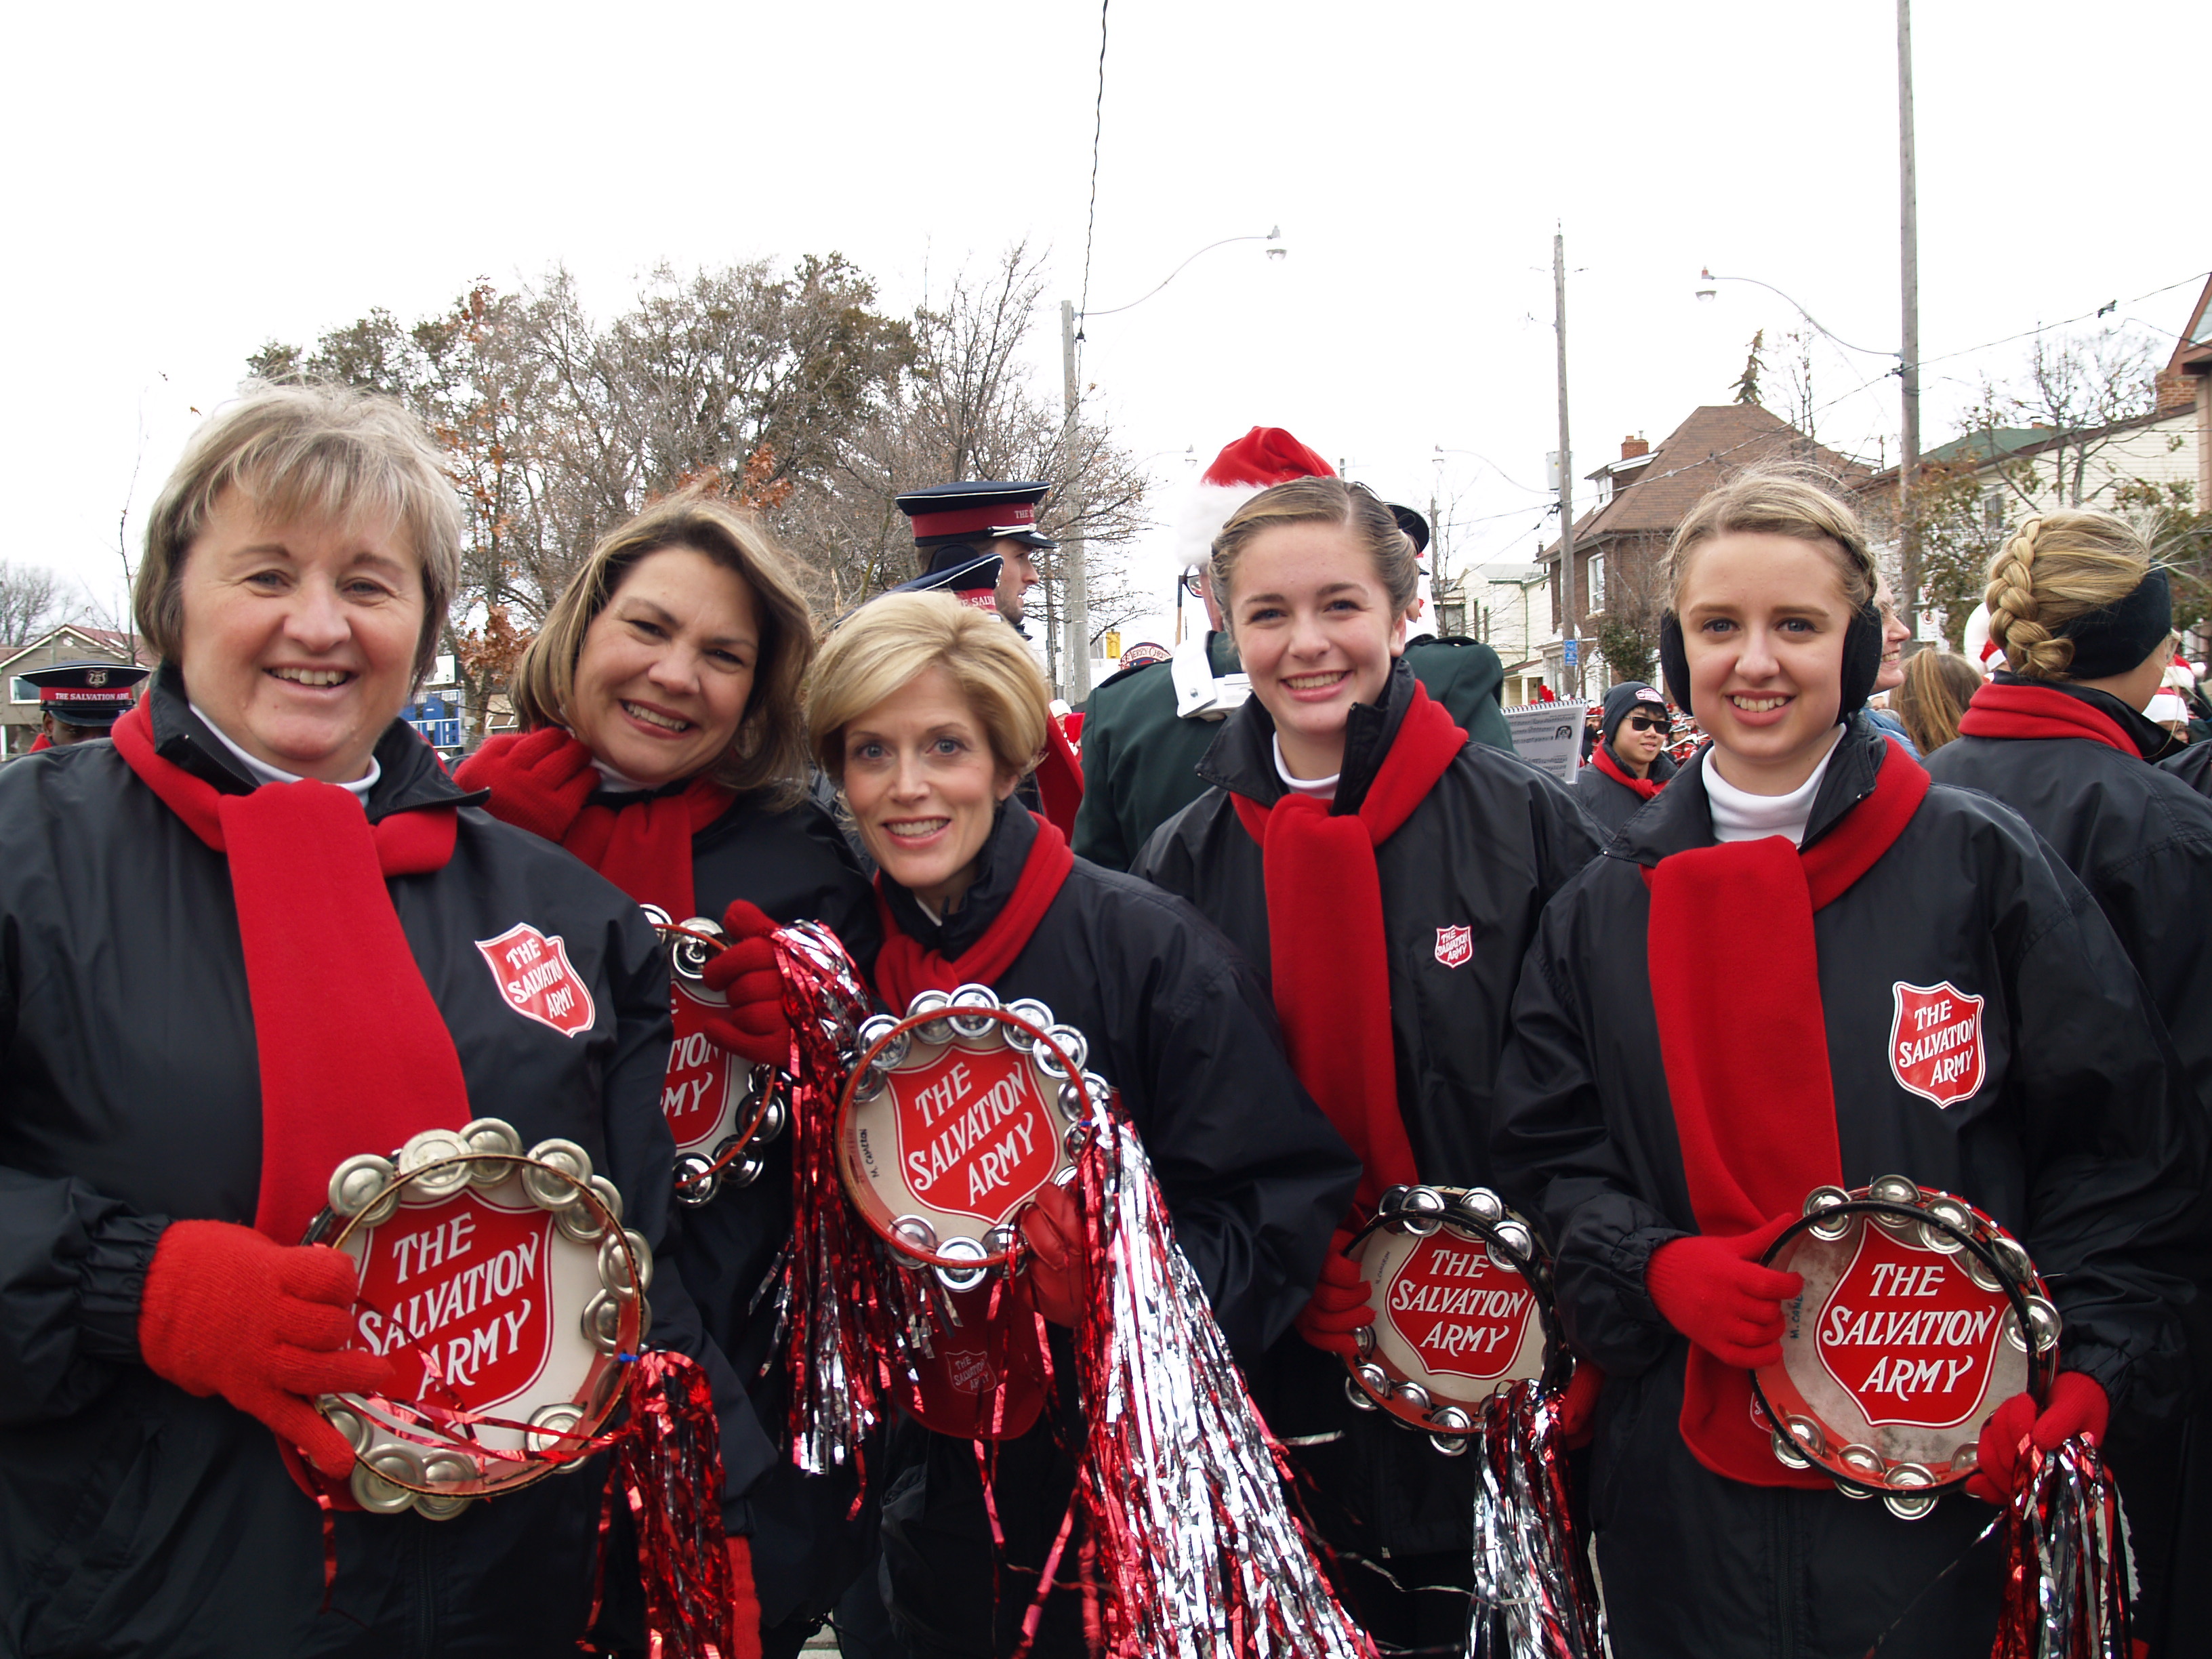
<point>2117,638</point>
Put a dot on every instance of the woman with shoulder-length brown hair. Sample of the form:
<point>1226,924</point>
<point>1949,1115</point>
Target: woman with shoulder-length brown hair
<point>664,743</point>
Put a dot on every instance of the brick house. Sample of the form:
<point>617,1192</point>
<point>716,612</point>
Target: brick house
<point>71,642</point>
<point>1621,542</point>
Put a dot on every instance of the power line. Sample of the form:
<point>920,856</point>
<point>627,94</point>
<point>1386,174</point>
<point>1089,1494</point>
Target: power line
<point>1097,131</point>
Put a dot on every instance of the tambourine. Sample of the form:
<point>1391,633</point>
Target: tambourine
<point>957,1115</point>
<point>510,1275</point>
<point>1464,1309</point>
<point>722,1112</point>
<point>1920,1316</point>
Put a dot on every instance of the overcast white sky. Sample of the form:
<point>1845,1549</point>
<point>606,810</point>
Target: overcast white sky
<point>184,183</point>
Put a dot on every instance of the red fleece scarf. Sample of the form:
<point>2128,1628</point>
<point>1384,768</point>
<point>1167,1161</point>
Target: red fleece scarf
<point>44,742</point>
<point>1327,950</point>
<point>642,846</point>
<point>903,968</point>
<point>355,1056</point>
<point>1755,1137</point>
<point>1601,757</point>
<point>2038,711</point>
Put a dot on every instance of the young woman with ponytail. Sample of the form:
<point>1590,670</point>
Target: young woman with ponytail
<point>2085,620</point>
<point>1388,875</point>
<point>1704,1034</point>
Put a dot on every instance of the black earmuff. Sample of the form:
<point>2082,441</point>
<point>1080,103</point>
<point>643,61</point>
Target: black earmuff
<point>1862,659</point>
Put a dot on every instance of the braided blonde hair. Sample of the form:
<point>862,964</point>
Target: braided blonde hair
<point>2057,567</point>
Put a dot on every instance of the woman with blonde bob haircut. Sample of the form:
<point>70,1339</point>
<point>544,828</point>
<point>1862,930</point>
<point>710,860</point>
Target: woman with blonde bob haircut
<point>665,744</point>
<point>243,946</point>
<point>1707,1030</point>
<point>2084,616</point>
<point>926,714</point>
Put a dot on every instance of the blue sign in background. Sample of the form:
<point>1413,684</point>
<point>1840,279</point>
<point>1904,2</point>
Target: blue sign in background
<point>438,718</point>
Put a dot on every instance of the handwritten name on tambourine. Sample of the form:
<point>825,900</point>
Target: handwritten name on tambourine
<point>1920,1316</point>
<point>508,1276</point>
<point>1462,1302</point>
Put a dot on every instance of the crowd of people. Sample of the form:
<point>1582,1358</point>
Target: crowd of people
<point>1326,935</point>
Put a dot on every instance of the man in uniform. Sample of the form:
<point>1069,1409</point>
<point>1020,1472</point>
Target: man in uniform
<point>80,701</point>
<point>977,540</point>
<point>1145,729</point>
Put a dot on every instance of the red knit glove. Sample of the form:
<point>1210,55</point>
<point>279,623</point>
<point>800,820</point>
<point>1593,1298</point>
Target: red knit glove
<point>1334,1314</point>
<point>2078,1406</point>
<point>1713,1292</point>
<point>1578,1405</point>
<point>1059,1272</point>
<point>538,782</point>
<point>744,1602</point>
<point>754,1026</point>
<point>228,1310</point>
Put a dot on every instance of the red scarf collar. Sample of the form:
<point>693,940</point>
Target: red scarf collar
<point>2039,711</point>
<point>643,845</point>
<point>1327,956</point>
<point>44,742</point>
<point>355,1056</point>
<point>1601,757</point>
<point>904,969</point>
<point>1755,1138</point>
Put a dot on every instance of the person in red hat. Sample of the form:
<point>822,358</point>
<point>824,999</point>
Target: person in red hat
<point>1387,873</point>
<point>1147,728</point>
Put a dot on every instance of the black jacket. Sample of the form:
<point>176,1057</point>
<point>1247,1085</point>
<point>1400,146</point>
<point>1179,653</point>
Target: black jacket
<point>134,1517</point>
<point>1254,1176</point>
<point>1495,838</point>
<point>796,866</point>
<point>2193,766</point>
<point>1611,803</point>
<point>2140,839</point>
<point>2081,1141</point>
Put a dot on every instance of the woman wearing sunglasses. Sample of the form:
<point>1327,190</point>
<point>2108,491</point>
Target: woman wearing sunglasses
<point>1630,765</point>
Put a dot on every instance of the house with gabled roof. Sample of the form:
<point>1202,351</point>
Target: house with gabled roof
<point>2186,383</point>
<point>70,642</point>
<point>1621,542</point>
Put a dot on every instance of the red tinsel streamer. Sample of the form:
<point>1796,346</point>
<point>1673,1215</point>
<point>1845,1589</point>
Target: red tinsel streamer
<point>2066,1572</point>
<point>668,1469</point>
<point>846,1312</point>
<point>1534,1595</point>
<point>1182,1489</point>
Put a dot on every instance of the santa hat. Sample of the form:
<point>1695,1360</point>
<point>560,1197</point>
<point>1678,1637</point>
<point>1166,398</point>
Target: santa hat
<point>1263,458</point>
<point>2166,708</point>
<point>1981,650</point>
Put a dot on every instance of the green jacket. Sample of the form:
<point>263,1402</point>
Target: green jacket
<point>1141,762</point>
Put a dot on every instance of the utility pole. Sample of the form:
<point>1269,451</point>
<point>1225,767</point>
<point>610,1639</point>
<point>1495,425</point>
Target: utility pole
<point>1569,585</point>
<point>1908,462</point>
<point>1076,676</point>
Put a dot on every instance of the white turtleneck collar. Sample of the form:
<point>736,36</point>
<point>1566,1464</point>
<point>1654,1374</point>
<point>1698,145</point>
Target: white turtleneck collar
<point>263,772</point>
<point>615,782</point>
<point>1320,788</point>
<point>1739,815</point>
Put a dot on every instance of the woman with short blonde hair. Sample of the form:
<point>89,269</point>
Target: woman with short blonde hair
<point>664,743</point>
<point>927,715</point>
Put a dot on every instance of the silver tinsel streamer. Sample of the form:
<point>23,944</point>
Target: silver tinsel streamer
<point>2066,1566</point>
<point>1199,1555</point>
<point>1534,1595</point>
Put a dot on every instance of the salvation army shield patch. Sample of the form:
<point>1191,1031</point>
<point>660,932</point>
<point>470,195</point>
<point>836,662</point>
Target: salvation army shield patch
<point>537,980</point>
<point>1935,1042</point>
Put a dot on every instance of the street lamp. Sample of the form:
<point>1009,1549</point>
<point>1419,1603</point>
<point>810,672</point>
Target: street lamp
<point>1078,676</point>
<point>1706,291</point>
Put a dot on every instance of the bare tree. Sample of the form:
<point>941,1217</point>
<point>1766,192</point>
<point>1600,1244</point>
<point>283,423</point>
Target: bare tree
<point>31,603</point>
<point>2084,391</point>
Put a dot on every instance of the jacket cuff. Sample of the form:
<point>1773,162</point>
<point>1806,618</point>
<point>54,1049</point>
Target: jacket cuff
<point>111,1282</point>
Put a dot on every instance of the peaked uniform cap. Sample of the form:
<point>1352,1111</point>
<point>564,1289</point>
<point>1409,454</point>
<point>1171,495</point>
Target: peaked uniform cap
<point>86,693</point>
<point>975,510</point>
